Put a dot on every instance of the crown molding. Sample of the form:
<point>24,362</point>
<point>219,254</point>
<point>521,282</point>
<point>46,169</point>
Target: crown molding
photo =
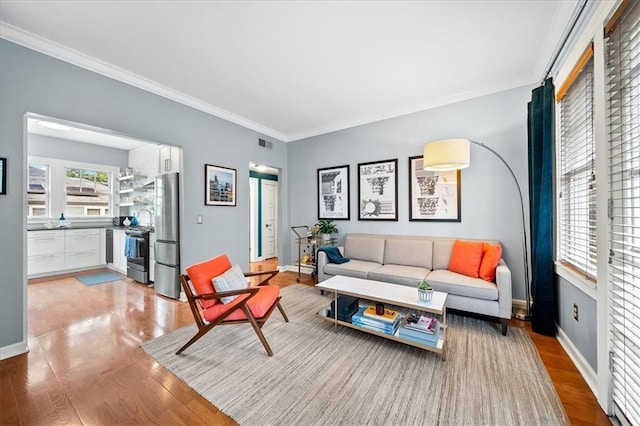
<point>56,50</point>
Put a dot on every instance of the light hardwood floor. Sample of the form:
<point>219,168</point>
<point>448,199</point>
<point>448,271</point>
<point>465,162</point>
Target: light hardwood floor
<point>85,365</point>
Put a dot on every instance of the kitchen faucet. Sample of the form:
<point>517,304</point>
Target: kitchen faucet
<point>150,223</point>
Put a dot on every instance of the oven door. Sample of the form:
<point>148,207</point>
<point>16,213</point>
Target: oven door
<point>137,255</point>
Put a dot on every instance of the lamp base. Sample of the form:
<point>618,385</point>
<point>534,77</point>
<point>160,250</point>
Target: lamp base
<point>522,315</point>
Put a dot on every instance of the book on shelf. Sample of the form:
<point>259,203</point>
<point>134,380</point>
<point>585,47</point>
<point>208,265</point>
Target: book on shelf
<point>386,330</point>
<point>389,315</point>
<point>423,339</point>
<point>361,320</point>
<point>419,335</point>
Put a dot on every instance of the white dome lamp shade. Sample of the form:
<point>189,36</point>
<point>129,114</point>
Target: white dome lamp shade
<point>446,154</point>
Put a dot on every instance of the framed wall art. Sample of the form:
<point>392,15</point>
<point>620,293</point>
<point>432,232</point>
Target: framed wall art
<point>220,185</point>
<point>433,195</point>
<point>333,193</point>
<point>378,190</point>
<point>3,176</point>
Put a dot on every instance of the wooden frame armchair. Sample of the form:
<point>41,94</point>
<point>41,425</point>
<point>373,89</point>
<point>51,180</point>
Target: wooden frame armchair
<point>253,305</point>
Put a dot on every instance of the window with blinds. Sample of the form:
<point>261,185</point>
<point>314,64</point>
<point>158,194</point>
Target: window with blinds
<point>577,245</point>
<point>623,70</point>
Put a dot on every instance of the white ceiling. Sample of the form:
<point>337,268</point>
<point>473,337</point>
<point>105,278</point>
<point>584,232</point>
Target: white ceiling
<point>294,69</point>
<point>81,134</point>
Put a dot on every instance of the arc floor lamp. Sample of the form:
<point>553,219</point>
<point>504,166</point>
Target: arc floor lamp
<point>455,154</point>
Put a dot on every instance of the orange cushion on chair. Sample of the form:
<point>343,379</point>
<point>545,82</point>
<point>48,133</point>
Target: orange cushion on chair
<point>258,304</point>
<point>466,257</point>
<point>202,273</point>
<point>490,259</point>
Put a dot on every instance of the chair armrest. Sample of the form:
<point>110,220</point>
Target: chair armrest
<point>322,260</point>
<point>258,273</point>
<point>505,298</point>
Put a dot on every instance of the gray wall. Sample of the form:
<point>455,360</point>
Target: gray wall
<point>490,205</point>
<point>32,82</point>
<point>45,146</point>
<point>582,333</point>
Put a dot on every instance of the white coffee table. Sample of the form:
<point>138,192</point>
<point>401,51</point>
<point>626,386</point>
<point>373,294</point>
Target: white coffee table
<point>393,294</point>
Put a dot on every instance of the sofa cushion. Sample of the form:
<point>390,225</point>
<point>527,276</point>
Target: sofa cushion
<point>353,268</point>
<point>461,285</point>
<point>466,257</point>
<point>408,252</point>
<point>399,274</point>
<point>442,253</point>
<point>490,259</point>
<point>370,249</point>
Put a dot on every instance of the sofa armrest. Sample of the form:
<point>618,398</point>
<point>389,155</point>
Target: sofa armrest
<point>323,260</point>
<point>505,298</point>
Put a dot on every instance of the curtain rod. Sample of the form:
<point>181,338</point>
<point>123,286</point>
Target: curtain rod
<point>564,41</point>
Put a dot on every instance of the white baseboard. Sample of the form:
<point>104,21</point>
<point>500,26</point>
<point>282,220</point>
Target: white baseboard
<point>294,268</point>
<point>518,305</point>
<point>581,364</point>
<point>13,350</point>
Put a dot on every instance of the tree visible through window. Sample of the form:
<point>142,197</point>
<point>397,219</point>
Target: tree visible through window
<point>88,192</point>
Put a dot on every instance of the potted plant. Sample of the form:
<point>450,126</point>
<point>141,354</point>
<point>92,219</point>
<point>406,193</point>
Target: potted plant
<point>326,227</point>
<point>425,291</point>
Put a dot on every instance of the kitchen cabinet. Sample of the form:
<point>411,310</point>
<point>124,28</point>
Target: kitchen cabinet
<point>152,255</point>
<point>119,259</point>
<point>169,159</point>
<point>82,248</point>
<point>63,249</point>
<point>45,251</point>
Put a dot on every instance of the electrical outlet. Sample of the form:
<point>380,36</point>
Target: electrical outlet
<point>575,312</point>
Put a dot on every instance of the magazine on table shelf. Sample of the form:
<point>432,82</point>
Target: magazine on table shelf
<point>422,324</point>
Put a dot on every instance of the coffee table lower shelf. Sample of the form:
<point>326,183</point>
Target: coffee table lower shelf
<point>438,347</point>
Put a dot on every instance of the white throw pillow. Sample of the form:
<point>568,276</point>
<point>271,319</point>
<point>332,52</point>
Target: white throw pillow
<point>233,279</point>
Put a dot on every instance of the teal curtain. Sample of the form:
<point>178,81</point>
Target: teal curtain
<point>541,148</point>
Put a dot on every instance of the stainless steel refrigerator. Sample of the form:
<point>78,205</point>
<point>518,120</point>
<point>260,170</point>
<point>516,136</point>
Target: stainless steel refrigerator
<point>167,229</point>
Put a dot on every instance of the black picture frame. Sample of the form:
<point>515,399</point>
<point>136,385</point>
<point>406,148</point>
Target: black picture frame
<point>434,196</point>
<point>3,176</point>
<point>333,193</point>
<point>378,190</point>
<point>220,186</point>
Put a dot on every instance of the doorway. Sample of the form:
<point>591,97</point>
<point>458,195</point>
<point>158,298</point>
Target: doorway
<point>263,217</point>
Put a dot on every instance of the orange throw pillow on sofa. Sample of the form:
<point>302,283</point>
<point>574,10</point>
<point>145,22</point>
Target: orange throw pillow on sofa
<point>466,258</point>
<point>490,259</point>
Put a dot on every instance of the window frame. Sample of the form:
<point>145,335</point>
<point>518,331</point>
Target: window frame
<point>57,188</point>
<point>582,279</point>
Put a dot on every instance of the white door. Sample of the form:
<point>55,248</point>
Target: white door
<point>269,219</point>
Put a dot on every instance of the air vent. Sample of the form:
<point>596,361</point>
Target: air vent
<point>265,144</point>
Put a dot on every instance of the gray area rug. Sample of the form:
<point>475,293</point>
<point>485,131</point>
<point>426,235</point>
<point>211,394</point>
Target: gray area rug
<point>318,376</point>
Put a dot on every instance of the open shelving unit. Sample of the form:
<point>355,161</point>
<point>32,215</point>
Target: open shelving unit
<point>131,184</point>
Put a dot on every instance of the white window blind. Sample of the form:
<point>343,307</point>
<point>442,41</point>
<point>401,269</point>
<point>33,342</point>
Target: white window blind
<point>623,69</point>
<point>576,225</point>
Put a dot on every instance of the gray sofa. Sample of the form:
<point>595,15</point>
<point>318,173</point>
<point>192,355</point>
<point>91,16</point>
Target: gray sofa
<point>407,260</point>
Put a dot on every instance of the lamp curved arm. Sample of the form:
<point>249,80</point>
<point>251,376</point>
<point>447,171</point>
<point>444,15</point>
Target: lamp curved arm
<point>525,249</point>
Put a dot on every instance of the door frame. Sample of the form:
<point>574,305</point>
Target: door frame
<point>255,213</point>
